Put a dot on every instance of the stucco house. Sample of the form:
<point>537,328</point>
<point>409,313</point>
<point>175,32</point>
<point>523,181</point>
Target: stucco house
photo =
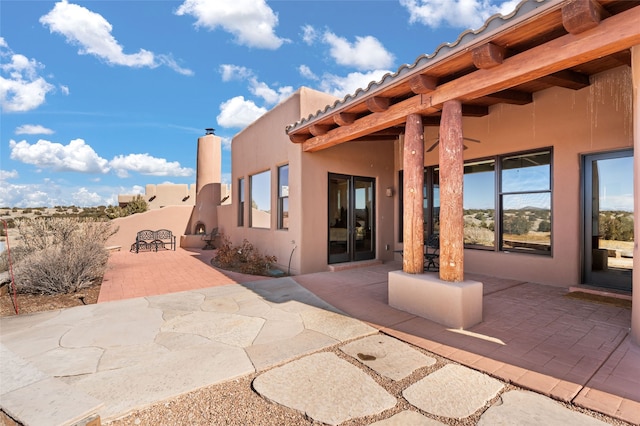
<point>514,144</point>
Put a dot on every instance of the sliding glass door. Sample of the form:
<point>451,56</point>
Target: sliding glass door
<point>608,220</point>
<point>351,218</point>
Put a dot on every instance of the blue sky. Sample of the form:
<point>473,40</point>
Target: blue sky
<point>100,98</point>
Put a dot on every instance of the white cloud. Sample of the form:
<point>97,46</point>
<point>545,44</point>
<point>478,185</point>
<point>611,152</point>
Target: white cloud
<point>252,22</point>
<point>83,198</point>
<point>6,174</point>
<point>309,34</point>
<point>306,72</point>
<point>145,164</point>
<point>171,63</point>
<point>75,157</point>
<point>49,193</point>
<point>270,96</point>
<point>238,112</point>
<point>231,72</point>
<point>27,195</point>
<point>21,88</point>
<point>92,33</point>
<point>366,53</point>
<point>455,13</point>
<point>79,157</point>
<point>226,143</point>
<point>342,86</point>
<point>33,129</point>
<point>64,89</point>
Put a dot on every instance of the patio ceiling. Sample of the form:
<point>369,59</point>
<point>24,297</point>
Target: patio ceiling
<point>543,43</point>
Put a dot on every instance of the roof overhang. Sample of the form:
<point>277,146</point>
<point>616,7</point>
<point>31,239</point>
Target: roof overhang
<point>540,45</point>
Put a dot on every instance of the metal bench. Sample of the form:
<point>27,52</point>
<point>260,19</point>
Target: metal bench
<point>148,240</point>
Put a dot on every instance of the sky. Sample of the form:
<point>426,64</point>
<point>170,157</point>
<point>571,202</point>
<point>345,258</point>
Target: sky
<point>100,98</point>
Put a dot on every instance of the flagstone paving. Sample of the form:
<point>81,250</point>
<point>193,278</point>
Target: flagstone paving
<point>111,358</point>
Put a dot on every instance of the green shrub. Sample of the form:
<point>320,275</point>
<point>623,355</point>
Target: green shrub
<point>137,205</point>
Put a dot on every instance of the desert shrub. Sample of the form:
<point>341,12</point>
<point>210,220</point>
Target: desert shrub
<point>137,205</point>
<point>244,258</point>
<point>60,255</point>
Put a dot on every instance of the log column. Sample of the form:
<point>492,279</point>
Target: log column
<point>413,217</point>
<point>451,178</point>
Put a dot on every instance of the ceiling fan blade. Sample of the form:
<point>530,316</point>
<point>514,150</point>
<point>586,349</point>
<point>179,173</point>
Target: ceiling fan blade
<point>432,147</point>
<point>472,140</point>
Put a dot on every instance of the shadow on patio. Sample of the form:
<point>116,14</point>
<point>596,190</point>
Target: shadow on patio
<point>532,336</point>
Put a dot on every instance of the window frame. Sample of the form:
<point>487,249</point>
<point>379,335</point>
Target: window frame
<point>429,212</point>
<point>252,186</point>
<point>241,201</point>
<point>282,197</point>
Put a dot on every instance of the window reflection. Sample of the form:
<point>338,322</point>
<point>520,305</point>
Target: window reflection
<point>479,203</point>
<point>261,200</point>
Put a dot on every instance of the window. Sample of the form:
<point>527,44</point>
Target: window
<point>519,217</point>
<point>261,200</point>
<point>525,199</point>
<point>479,203</point>
<point>241,202</point>
<point>283,197</point>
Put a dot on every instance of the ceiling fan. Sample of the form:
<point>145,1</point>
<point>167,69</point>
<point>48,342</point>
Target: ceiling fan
<point>432,147</point>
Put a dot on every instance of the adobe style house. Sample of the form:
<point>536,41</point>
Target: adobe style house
<point>515,144</point>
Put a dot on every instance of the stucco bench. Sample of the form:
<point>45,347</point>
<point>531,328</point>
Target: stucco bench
<point>148,240</point>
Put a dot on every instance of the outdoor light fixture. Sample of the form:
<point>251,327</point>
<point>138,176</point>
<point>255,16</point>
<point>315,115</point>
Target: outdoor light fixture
<point>389,192</point>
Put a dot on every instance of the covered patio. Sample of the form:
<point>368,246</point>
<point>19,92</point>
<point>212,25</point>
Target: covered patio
<point>532,335</point>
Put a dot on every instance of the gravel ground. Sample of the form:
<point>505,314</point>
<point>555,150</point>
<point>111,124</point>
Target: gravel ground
<point>235,403</point>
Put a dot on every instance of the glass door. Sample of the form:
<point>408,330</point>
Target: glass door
<point>351,218</point>
<point>608,239</point>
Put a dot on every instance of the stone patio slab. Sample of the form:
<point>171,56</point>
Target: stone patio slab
<point>408,418</point>
<point>324,387</point>
<point>453,391</point>
<point>16,372</point>
<point>526,408</point>
<point>162,377</point>
<point>387,356</point>
<point>269,354</point>
<point>58,403</point>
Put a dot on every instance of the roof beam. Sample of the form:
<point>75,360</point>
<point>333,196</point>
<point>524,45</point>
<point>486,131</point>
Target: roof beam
<point>319,129</point>
<point>510,96</point>
<point>344,118</point>
<point>567,79</point>
<point>619,32</point>
<point>421,84</point>
<point>488,55</point>
<point>378,104</point>
<point>582,15</point>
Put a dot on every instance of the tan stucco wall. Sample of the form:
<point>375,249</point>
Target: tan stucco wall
<point>262,146</point>
<point>165,194</point>
<point>366,159</point>
<point>174,218</point>
<point>594,119</point>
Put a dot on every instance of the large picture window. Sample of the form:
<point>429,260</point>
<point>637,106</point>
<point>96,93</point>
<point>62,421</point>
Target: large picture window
<point>479,203</point>
<point>526,202</point>
<point>283,197</point>
<point>260,184</point>
<point>506,204</point>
